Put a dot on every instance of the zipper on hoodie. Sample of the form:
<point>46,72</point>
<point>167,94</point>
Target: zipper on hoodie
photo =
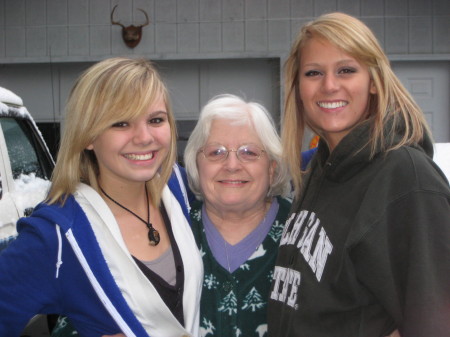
<point>321,179</point>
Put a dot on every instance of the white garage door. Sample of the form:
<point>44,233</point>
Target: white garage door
<point>429,83</point>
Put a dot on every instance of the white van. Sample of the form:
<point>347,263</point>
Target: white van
<point>25,164</point>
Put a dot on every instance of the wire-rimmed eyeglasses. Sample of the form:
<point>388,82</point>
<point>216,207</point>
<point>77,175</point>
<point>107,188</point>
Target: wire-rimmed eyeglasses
<point>245,153</point>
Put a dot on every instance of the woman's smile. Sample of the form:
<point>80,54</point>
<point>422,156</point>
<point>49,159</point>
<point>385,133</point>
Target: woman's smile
<point>332,105</point>
<point>139,157</point>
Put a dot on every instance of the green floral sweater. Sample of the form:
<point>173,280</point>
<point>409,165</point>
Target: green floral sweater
<point>236,304</point>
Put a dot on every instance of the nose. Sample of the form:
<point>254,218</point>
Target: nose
<point>143,134</point>
<point>232,162</point>
<point>330,83</point>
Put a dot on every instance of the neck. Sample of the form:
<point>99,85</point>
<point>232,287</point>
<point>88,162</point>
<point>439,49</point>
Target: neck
<point>153,234</point>
<point>130,194</point>
<point>120,199</point>
<point>236,225</point>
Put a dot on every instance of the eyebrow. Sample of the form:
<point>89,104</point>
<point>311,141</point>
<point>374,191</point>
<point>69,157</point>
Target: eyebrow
<point>340,62</point>
<point>158,112</point>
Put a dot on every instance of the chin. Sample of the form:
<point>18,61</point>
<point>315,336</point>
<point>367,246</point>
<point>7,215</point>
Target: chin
<point>145,177</point>
<point>234,203</point>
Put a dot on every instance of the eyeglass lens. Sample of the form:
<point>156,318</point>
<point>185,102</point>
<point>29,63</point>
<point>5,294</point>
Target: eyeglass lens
<point>244,153</point>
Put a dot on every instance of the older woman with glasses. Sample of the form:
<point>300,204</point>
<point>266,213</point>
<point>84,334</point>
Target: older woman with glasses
<point>233,160</point>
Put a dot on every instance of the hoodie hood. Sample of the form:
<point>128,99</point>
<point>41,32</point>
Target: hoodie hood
<point>64,215</point>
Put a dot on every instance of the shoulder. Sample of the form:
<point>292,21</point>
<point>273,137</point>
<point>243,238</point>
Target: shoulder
<point>178,184</point>
<point>405,175</point>
<point>285,203</point>
<point>283,210</point>
<point>38,233</point>
<point>196,221</point>
<point>401,184</point>
<point>49,214</point>
<point>414,169</point>
<point>46,216</point>
<point>196,212</point>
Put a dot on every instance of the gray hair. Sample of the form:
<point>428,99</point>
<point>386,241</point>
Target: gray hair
<point>234,108</point>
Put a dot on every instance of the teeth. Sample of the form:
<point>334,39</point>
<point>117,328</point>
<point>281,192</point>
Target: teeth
<point>332,105</point>
<point>132,156</point>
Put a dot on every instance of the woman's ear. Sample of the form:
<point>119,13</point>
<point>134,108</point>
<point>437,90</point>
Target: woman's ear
<point>90,147</point>
<point>373,88</point>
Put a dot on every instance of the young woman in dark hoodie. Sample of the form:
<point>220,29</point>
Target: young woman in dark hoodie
<point>366,250</point>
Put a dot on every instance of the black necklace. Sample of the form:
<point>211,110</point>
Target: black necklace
<point>153,234</point>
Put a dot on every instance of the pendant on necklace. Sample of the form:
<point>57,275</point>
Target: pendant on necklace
<point>153,235</point>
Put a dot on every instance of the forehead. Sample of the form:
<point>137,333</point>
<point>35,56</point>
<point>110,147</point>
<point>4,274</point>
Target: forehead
<point>157,105</point>
<point>318,51</point>
<point>226,131</point>
<point>141,105</point>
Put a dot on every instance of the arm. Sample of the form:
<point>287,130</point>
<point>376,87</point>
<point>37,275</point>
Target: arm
<point>27,280</point>
<point>403,260</point>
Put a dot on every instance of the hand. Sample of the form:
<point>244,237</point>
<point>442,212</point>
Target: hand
<point>394,334</point>
<point>122,335</point>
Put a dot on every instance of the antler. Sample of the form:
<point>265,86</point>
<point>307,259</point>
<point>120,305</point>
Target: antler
<point>147,21</point>
<point>112,20</point>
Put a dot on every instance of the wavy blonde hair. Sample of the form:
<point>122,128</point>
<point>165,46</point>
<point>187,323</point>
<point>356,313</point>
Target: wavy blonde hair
<point>392,102</point>
<point>110,91</point>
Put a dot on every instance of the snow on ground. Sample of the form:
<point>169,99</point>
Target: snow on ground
<point>442,157</point>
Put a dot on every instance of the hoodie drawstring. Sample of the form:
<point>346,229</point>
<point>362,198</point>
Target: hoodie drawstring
<point>59,257</point>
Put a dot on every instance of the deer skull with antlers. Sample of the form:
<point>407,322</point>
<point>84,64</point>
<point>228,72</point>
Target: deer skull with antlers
<point>132,34</point>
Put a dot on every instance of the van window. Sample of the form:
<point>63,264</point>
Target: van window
<point>24,155</point>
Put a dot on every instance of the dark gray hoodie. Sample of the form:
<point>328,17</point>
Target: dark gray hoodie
<point>366,249</point>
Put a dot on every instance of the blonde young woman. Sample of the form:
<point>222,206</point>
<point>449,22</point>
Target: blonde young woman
<point>111,248</point>
<point>366,250</point>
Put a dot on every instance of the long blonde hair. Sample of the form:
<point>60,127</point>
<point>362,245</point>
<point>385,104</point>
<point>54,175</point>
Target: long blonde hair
<point>392,102</point>
<point>110,91</point>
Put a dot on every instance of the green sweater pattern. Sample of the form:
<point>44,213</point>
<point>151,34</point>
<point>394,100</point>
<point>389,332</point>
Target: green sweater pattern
<point>235,304</point>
